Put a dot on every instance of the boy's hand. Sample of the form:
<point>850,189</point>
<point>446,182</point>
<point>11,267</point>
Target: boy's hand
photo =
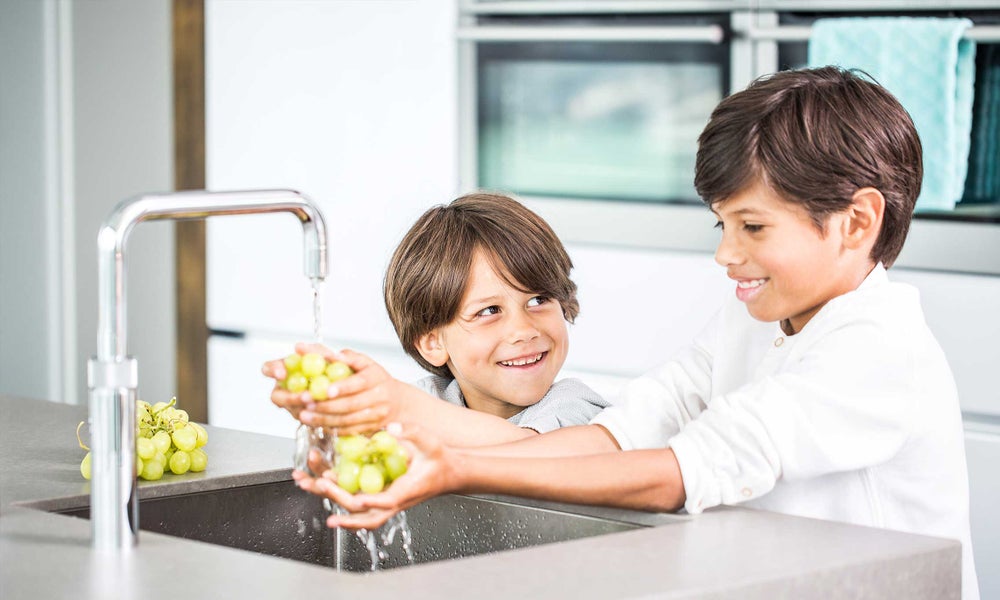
<point>293,402</point>
<point>430,473</point>
<point>364,402</point>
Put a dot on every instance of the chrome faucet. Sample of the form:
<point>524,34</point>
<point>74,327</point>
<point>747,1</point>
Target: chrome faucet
<point>113,377</point>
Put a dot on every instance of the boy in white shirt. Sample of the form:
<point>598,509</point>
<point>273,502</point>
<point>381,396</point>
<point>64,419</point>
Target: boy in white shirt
<point>825,396</point>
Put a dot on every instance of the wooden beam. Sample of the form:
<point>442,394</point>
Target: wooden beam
<point>189,236</point>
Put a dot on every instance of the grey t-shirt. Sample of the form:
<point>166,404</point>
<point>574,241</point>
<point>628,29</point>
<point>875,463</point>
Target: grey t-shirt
<point>568,402</point>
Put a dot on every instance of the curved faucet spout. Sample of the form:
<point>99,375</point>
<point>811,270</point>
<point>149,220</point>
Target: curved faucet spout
<point>184,206</point>
<point>113,377</point>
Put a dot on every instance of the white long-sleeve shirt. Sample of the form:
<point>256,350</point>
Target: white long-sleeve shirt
<point>853,419</point>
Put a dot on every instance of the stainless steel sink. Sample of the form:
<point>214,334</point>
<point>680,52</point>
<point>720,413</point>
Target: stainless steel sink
<point>280,520</point>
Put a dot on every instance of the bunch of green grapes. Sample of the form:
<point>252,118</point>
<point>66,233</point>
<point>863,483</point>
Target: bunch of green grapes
<point>165,441</point>
<point>312,372</point>
<point>369,464</point>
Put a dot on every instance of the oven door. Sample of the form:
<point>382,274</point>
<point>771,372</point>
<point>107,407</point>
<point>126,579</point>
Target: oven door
<point>590,107</point>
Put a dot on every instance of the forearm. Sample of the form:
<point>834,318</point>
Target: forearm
<point>568,441</point>
<point>647,480</point>
<point>455,425</point>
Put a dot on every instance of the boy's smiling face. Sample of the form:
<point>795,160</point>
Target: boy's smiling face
<point>505,347</point>
<point>785,268</point>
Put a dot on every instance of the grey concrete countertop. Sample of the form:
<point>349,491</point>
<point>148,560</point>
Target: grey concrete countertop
<point>723,553</point>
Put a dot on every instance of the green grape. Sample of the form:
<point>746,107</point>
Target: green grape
<point>167,455</point>
<point>145,448</point>
<point>160,458</point>
<point>312,364</point>
<point>352,447</point>
<point>85,466</point>
<point>318,387</point>
<point>384,442</point>
<point>293,363</point>
<point>161,439</point>
<point>338,370</point>
<point>180,462</point>
<point>297,382</point>
<point>199,460</point>
<point>371,480</point>
<point>158,408</point>
<point>138,465</point>
<point>395,464</point>
<point>182,415</point>
<point>348,473</point>
<point>185,438</point>
<point>152,469</point>
<point>202,434</point>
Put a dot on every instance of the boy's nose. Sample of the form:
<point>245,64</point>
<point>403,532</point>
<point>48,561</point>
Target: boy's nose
<point>522,328</point>
<point>727,253</point>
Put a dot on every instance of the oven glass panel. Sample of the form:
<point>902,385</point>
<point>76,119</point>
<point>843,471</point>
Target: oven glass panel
<point>603,120</point>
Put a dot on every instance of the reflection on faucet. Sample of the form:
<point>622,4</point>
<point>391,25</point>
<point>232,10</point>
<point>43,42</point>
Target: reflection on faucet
<point>113,377</point>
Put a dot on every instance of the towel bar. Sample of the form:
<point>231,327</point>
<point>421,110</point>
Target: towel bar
<point>800,33</point>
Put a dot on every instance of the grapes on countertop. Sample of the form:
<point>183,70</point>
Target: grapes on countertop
<point>166,441</point>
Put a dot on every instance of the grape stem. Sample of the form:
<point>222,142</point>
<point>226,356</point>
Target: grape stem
<point>78,440</point>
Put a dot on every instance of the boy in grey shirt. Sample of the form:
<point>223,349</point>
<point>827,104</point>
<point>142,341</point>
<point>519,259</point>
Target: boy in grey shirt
<point>480,296</point>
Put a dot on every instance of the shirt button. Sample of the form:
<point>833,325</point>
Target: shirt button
<point>747,492</point>
<point>779,342</point>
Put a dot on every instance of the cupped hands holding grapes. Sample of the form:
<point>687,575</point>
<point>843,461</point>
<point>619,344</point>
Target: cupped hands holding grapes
<point>431,472</point>
<point>365,401</point>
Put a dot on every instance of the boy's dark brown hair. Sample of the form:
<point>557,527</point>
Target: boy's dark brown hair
<point>816,136</point>
<point>429,271</point>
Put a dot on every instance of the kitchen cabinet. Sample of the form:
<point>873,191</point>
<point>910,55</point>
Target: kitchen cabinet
<point>982,447</point>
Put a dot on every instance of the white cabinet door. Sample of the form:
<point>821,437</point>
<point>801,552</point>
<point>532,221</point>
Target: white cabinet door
<point>982,447</point>
<point>961,310</point>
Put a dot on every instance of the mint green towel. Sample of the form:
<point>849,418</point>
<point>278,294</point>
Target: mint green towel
<point>927,65</point>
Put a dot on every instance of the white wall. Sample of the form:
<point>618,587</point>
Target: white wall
<point>25,308</point>
<point>87,105</point>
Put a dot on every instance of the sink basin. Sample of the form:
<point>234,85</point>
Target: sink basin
<point>280,520</point>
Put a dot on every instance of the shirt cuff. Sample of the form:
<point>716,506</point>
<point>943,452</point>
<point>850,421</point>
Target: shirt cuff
<point>689,460</point>
<point>615,426</point>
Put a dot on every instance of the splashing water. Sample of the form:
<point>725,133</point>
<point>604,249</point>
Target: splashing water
<point>379,544</point>
<point>315,438</point>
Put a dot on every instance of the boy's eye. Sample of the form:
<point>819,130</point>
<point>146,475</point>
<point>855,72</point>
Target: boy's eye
<point>538,300</point>
<point>489,310</point>
<point>752,227</point>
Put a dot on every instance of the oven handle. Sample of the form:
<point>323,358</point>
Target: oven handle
<point>711,34</point>
<point>800,33</point>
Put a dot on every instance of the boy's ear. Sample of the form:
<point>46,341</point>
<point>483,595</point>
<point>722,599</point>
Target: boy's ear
<point>430,347</point>
<point>864,218</point>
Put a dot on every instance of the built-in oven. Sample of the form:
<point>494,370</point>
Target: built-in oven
<point>589,110</point>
